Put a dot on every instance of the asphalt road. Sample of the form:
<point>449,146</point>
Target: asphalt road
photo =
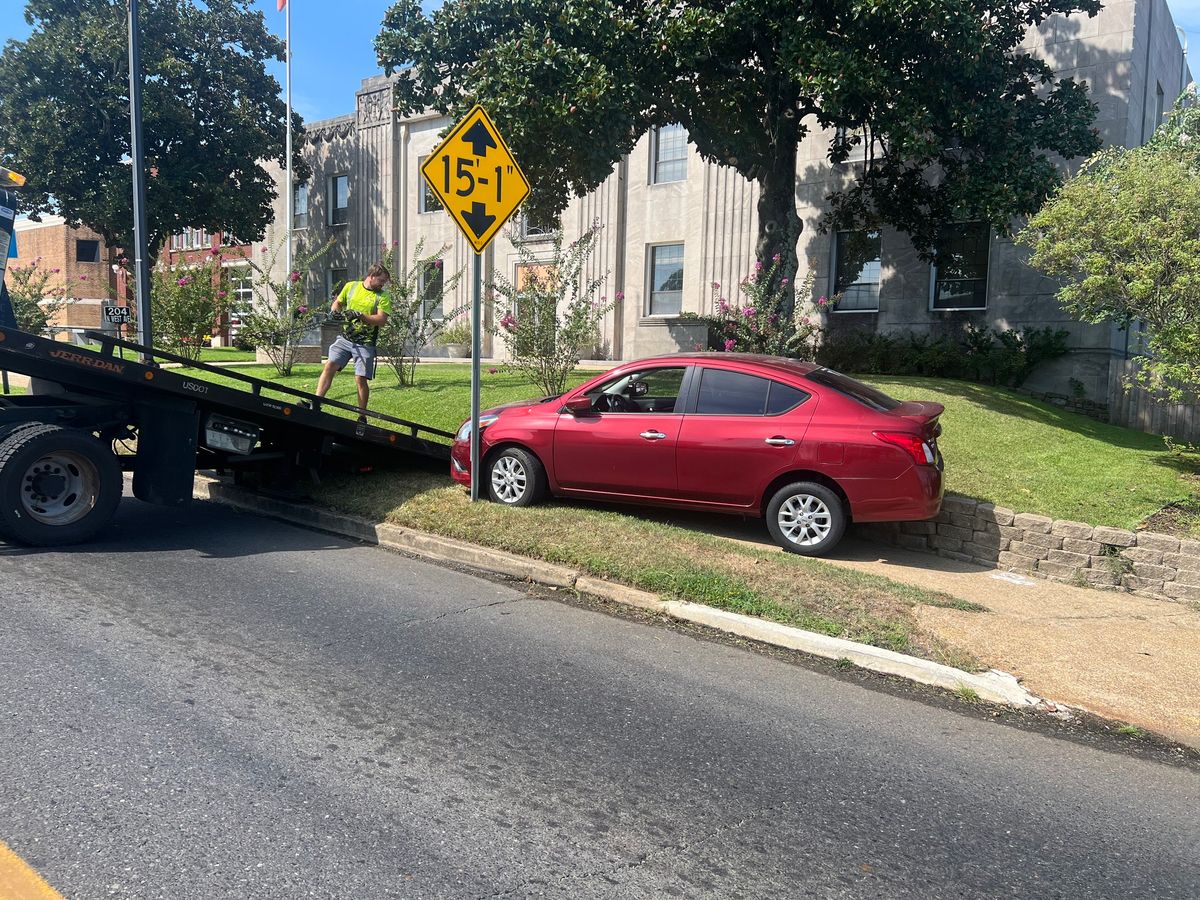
<point>212,705</point>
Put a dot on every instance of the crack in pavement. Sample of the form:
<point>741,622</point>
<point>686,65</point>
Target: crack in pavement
<point>643,859</point>
<point>458,612</point>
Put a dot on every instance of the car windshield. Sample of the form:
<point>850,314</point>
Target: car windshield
<point>855,390</point>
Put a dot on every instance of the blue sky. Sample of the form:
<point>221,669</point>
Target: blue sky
<point>332,47</point>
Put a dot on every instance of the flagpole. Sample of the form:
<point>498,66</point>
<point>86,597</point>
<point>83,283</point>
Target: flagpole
<point>290,189</point>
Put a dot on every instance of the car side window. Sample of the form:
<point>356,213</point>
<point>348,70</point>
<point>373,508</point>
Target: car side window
<point>648,390</point>
<point>783,398</point>
<point>725,393</point>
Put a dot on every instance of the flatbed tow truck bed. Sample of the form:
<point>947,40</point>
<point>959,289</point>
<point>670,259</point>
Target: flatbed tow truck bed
<point>58,468</point>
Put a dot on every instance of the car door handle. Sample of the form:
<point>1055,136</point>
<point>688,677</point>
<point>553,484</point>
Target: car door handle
<point>779,442</point>
<point>653,435</point>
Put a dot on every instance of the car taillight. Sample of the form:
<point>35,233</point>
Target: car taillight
<point>920,451</point>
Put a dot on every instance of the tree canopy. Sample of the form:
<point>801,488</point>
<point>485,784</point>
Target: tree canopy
<point>212,116</point>
<point>955,120</point>
<point>1124,235</point>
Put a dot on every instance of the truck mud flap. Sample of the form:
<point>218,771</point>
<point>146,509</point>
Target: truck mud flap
<point>166,454</point>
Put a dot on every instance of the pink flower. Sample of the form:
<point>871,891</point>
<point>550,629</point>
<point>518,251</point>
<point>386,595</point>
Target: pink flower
<point>716,285</point>
<point>55,271</point>
<point>83,278</point>
<point>749,312</point>
<point>493,371</point>
<point>294,277</point>
<point>508,322</point>
<point>215,251</point>
<point>730,343</point>
<point>437,263</point>
<point>773,318</point>
<point>822,302</point>
<point>302,310</point>
<point>264,249</point>
<point>395,243</point>
<point>184,282</point>
<point>784,282</point>
<point>697,346</point>
<point>619,296</point>
<point>723,305</point>
<point>806,321</point>
<point>758,265</point>
<point>123,261</point>
<point>221,295</point>
<point>775,258</point>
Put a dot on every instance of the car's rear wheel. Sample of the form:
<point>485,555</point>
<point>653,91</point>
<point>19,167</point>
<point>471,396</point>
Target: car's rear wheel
<point>806,518</point>
<point>515,477</point>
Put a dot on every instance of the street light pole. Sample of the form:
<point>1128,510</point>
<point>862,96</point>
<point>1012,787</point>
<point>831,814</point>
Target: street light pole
<point>145,330</point>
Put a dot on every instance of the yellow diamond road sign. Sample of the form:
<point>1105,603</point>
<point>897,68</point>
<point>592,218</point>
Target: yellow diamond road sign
<point>475,176</point>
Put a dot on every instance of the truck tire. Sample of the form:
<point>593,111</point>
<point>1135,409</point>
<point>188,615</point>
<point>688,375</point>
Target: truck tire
<point>57,486</point>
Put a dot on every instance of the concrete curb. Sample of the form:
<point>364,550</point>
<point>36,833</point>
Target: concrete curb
<point>993,686</point>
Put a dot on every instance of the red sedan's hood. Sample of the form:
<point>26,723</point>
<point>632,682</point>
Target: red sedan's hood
<point>516,404</point>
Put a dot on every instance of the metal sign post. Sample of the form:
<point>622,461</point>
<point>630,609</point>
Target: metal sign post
<point>480,185</point>
<point>476,352</point>
<point>145,330</point>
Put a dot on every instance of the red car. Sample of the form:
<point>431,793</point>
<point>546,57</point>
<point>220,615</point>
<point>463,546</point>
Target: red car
<point>804,446</point>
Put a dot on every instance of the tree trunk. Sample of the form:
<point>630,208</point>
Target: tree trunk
<point>779,224</point>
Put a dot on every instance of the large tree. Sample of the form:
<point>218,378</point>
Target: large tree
<point>956,121</point>
<point>212,116</point>
<point>1124,237</point>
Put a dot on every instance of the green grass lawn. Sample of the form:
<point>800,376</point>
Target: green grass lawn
<point>999,446</point>
<point>211,354</point>
<point>1038,458</point>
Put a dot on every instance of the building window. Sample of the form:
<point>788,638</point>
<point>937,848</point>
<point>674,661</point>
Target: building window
<point>533,230</point>
<point>335,280</point>
<point>427,200</point>
<point>856,267</point>
<point>339,199</point>
<point>191,239</point>
<point>430,285</point>
<point>666,280</point>
<point>300,206</point>
<point>87,251</point>
<point>961,266</point>
<point>241,291</point>
<point>668,152</point>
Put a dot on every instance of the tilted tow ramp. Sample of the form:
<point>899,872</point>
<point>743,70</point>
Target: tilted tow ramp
<point>61,479</point>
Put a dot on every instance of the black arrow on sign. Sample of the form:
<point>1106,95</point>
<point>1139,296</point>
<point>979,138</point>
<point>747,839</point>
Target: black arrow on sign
<point>478,220</point>
<point>479,138</point>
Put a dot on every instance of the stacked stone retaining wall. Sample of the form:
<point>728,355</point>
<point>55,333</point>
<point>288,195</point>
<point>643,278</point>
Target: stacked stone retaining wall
<point>1144,563</point>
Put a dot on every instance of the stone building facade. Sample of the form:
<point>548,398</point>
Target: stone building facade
<point>674,224</point>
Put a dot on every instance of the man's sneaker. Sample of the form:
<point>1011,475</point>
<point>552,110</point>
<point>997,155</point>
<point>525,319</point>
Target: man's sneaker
<point>306,404</point>
<point>362,420</point>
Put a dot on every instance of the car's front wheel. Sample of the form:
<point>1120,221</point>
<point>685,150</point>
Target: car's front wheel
<point>807,518</point>
<point>515,477</point>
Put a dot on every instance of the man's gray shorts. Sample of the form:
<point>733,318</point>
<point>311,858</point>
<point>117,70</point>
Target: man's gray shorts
<point>343,350</point>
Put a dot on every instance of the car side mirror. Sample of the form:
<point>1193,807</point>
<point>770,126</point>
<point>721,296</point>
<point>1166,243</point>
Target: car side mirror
<point>579,406</point>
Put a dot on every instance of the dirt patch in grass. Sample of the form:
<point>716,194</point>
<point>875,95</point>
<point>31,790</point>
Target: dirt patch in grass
<point>675,562</point>
<point>1180,519</point>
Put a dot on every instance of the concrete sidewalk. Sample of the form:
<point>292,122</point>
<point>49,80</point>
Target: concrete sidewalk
<point>1117,655</point>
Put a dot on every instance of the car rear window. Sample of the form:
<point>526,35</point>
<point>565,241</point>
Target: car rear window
<point>855,390</point>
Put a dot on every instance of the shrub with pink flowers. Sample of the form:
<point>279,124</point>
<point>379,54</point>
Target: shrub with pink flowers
<point>280,317</point>
<point>37,296</point>
<point>186,303</point>
<point>758,324</point>
<point>419,315</point>
<point>549,318</point>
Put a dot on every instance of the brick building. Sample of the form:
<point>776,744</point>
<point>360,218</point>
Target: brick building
<point>81,266</point>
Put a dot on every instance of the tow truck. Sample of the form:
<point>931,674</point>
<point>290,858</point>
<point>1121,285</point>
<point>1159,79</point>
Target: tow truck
<point>91,416</point>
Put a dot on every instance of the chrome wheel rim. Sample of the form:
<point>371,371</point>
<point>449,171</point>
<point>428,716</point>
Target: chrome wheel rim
<point>509,479</point>
<point>805,520</point>
<point>60,488</point>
